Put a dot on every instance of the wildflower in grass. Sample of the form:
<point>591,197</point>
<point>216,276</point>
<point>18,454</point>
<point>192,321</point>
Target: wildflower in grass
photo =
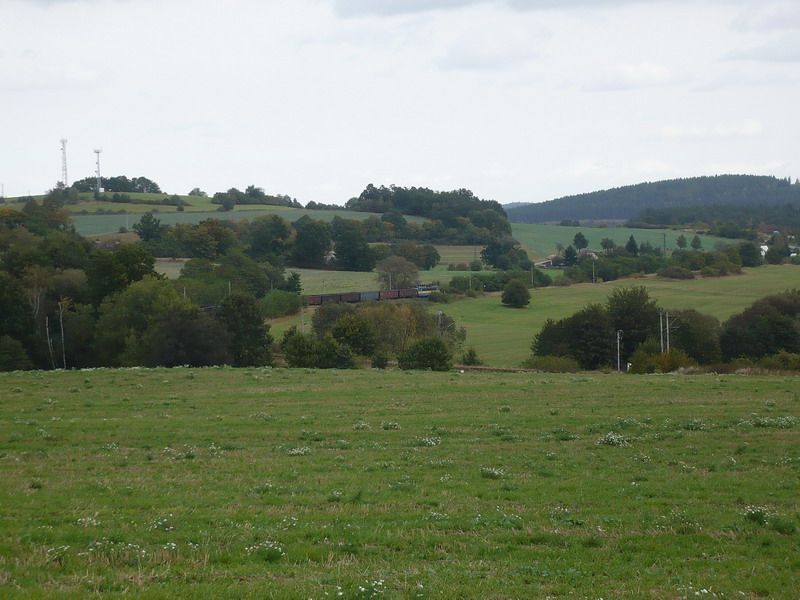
<point>90,521</point>
<point>437,516</point>
<point>757,514</point>
<point>370,589</point>
<point>429,441</point>
<point>492,472</point>
<point>162,524</point>
<point>390,425</point>
<point>613,439</point>
<point>170,547</point>
<point>301,451</point>
<point>267,550</point>
<point>361,426</point>
<point>335,496</point>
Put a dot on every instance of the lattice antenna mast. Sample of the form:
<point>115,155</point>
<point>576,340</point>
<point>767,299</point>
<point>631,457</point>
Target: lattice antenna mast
<point>64,179</point>
<point>97,171</point>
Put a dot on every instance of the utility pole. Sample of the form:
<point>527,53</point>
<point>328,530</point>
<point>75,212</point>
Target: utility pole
<point>661,329</point>
<point>619,337</point>
<point>99,188</point>
<point>667,317</point>
<point>665,243</point>
<point>64,178</point>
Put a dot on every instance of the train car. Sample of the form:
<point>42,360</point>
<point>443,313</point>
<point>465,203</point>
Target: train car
<point>351,297</point>
<point>330,299</point>
<point>389,295</point>
<point>367,296</point>
<point>407,293</point>
<point>314,300</point>
<point>423,291</point>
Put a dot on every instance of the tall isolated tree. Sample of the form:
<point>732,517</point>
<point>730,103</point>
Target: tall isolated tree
<point>250,340</point>
<point>395,272</point>
<point>634,313</point>
<point>312,243</point>
<point>579,241</point>
<point>696,242</point>
<point>632,247</point>
<point>570,256</point>
<point>681,241</point>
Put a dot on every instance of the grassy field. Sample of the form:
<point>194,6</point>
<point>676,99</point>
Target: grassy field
<point>502,336</point>
<point>225,483</point>
<point>541,240</point>
<point>101,224</point>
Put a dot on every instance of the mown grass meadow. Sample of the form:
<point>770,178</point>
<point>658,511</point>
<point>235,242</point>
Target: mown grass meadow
<point>275,483</point>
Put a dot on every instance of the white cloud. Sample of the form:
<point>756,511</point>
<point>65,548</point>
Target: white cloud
<point>745,129</point>
<point>785,49</point>
<point>632,76</point>
<point>766,16</point>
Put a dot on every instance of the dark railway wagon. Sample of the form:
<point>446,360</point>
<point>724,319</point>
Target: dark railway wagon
<point>351,297</point>
<point>389,294</point>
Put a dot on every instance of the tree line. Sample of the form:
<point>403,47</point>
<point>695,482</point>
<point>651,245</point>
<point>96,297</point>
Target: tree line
<point>631,327</point>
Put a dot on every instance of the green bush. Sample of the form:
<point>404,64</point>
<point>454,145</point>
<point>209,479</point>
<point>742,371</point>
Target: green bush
<point>427,353</point>
<point>782,361</point>
<point>12,355</point>
<point>676,272</point>
<point>380,360</point>
<point>279,303</point>
<point>471,358</point>
<point>516,294</point>
<point>645,361</point>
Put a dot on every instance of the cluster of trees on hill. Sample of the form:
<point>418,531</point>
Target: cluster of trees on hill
<point>629,202</point>
<point>252,195</point>
<point>768,331</point>
<point>341,332</point>
<point>341,244</point>
<point>118,183</point>
<point>615,262</point>
<point>459,216</point>
<point>67,303</point>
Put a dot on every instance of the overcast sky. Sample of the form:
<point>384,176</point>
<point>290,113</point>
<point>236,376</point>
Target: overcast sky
<point>518,100</point>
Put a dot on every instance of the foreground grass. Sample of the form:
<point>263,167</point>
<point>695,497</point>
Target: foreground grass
<point>300,484</point>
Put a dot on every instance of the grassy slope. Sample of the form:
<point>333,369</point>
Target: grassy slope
<point>502,336</point>
<point>100,224</point>
<point>155,484</point>
<point>541,240</point>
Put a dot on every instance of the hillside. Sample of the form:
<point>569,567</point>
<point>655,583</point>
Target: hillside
<point>629,202</point>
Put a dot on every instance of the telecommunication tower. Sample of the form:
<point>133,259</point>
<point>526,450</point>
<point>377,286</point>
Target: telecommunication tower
<point>97,172</point>
<point>64,162</point>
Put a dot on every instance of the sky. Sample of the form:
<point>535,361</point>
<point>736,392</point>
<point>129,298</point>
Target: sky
<point>517,100</point>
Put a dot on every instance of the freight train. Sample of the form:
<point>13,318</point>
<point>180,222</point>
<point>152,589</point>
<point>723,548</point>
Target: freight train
<point>420,291</point>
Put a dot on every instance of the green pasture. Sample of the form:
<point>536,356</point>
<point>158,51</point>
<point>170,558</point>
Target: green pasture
<point>319,281</point>
<point>458,254</point>
<point>276,483</point>
<point>93,224</point>
<point>541,240</point>
<point>502,336</point>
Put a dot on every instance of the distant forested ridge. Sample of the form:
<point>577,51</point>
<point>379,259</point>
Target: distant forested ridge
<point>656,199</point>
